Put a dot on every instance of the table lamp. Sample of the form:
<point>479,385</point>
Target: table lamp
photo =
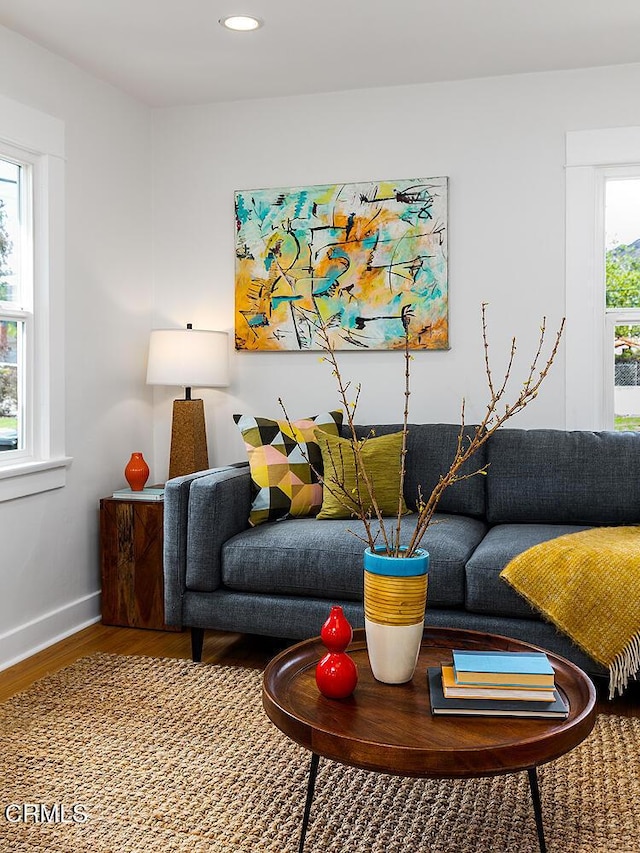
<point>188,357</point>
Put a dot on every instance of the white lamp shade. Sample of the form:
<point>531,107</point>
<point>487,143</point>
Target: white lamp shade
<point>189,358</point>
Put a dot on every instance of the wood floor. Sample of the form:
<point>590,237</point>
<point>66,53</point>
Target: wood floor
<point>235,649</point>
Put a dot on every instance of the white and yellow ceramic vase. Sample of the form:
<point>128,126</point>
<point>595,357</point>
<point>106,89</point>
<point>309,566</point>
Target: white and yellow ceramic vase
<point>395,598</point>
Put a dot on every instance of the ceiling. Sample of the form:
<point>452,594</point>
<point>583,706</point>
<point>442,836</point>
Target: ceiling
<point>174,52</point>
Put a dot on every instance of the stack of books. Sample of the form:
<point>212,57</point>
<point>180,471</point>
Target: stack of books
<point>151,494</point>
<point>496,684</point>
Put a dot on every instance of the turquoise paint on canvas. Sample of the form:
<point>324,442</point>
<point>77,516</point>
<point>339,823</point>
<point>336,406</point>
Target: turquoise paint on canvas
<point>365,258</point>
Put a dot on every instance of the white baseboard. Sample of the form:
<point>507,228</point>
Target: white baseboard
<point>38,634</point>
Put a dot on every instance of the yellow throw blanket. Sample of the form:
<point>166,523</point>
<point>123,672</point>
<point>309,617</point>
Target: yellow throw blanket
<point>588,585</point>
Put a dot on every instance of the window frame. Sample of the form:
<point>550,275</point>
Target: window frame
<point>36,139</point>
<point>592,156</point>
<point>613,316</point>
<point>22,309</point>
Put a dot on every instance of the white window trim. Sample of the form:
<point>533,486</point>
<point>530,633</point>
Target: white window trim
<point>588,154</point>
<point>43,137</point>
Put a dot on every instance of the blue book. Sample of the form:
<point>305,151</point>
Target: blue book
<point>531,669</point>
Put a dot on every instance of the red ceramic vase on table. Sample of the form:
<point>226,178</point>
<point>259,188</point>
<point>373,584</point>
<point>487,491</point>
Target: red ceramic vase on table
<point>136,472</point>
<point>336,674</point>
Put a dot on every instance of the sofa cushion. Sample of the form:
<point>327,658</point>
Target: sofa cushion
<point>431,449</point>
<point>323,559</point>
<point>381,459</point>
<point>486,591</point>
<point>284,458</point>
<point>563,477</point>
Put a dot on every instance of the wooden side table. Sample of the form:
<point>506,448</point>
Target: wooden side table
<point>131,542</point>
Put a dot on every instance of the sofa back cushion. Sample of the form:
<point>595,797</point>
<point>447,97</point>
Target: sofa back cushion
<point>430,452</point>
<point>564,477</point>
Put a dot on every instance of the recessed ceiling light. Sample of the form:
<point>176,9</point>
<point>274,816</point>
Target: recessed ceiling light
<point>241,23</point>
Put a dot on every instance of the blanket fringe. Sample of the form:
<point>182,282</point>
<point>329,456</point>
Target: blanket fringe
<point>625,665</point>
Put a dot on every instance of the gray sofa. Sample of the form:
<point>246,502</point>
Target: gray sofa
<point>279,579</point>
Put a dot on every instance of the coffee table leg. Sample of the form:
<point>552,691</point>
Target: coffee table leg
<point>313,772</point>
<point>537,808</point>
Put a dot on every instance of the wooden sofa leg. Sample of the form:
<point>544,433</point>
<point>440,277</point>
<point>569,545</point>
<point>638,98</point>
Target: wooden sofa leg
<point>197,640</point>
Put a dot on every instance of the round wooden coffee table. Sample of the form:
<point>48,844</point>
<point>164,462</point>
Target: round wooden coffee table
<point>390,728</point>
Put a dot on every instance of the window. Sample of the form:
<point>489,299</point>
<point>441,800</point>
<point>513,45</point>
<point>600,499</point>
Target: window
<point>15,302</point>
<point>622,296</point>
<point>603,279</point>
<point>31,302</point>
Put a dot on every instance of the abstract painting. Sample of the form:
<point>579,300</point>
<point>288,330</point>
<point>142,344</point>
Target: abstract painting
<point>359,262</point>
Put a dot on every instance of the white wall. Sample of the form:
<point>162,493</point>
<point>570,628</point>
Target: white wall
<point>49,568</point>
<point>500,141</point>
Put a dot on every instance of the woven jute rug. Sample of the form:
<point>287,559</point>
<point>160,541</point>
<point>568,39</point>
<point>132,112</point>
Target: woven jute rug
<point>130,755</point>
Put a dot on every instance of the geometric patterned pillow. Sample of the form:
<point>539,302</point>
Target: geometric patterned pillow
<point>283,480</point>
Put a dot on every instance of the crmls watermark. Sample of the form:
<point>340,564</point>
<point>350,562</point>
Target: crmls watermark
<point>43,813</point>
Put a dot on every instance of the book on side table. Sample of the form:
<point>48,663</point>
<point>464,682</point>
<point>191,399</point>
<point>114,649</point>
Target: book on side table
<point>150,494</point>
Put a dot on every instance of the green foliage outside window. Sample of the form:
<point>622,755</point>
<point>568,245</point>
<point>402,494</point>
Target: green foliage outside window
<point>623,289</point>
<point>5,250</point>
<point>8,373</point>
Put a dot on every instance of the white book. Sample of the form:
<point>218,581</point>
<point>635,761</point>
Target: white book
<point>144,495</point>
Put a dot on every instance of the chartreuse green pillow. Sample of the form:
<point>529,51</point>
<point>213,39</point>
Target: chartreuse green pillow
<point>381,457</point>
<point>283,459</point>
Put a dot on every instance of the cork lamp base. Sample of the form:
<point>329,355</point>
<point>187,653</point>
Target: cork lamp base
<point>188,438</point>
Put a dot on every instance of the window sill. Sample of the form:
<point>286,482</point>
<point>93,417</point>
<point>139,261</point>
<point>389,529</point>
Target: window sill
<point>30,478</point>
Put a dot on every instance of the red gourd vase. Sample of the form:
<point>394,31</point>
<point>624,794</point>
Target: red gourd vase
<point>136,472</point>
<point>336,674</point>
